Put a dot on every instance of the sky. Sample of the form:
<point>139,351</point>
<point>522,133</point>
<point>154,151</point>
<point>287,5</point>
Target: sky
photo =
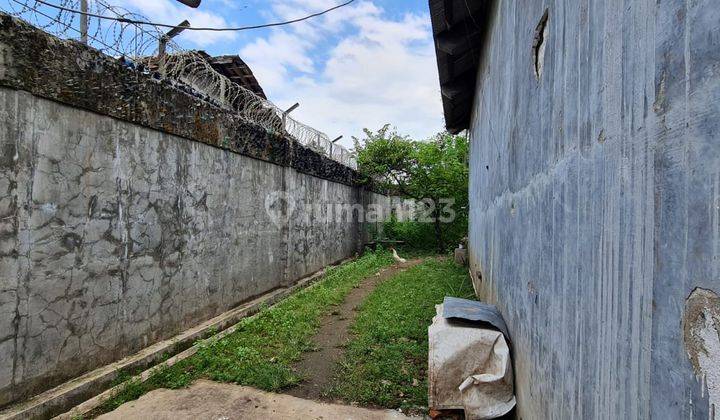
<point>361,66</point>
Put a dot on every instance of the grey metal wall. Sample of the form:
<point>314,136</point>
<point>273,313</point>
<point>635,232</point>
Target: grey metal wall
<point>595,203</point>
<point>114,236</point>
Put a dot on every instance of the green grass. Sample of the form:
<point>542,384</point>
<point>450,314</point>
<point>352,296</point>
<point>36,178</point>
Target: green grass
<point>386,361</point>
<point>261,352</point>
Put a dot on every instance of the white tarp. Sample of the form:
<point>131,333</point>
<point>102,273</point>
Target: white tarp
<point>469,368</point>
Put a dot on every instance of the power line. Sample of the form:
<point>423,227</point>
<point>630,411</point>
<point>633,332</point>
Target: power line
<point>164,25</point>
<point>70,27</point>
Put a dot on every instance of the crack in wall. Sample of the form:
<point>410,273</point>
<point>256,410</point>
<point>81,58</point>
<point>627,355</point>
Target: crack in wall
<point>538,47</point>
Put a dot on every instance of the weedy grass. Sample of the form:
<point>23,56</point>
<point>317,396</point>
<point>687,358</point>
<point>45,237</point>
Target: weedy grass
<point>261,352</point>
<point>385,363</point>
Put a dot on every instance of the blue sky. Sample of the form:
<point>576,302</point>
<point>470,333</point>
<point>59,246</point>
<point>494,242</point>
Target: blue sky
<point>363,65</point>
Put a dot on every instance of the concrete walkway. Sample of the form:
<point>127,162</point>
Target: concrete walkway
<point>216,401</point>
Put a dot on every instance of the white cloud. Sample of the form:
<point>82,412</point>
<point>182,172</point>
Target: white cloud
<point>373,70</point>
<point>349,69</point>
<point>274,57</point>
<point>172,12</point>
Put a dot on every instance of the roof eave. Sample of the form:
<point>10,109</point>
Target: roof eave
<point>459,29</point>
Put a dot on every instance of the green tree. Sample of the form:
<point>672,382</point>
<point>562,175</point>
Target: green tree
<point>433,171</point>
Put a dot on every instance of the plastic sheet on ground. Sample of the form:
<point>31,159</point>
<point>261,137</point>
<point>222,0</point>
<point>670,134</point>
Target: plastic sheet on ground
<point>471,310</point>
<point>469,368</point>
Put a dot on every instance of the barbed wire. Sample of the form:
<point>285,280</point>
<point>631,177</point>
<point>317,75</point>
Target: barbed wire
<point>137,46</point>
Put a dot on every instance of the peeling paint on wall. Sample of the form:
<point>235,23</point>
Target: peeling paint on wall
<point>701,334</point>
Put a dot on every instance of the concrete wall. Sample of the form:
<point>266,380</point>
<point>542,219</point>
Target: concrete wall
<point>116,236</point>
<point>382,207</point>
<point>120,226</point>
<point>595,204</point>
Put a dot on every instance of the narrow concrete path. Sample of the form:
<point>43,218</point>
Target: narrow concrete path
<point>216,401</point>
<point>318,366</point>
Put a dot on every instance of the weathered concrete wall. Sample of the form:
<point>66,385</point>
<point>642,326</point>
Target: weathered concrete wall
<point>595,194</point>
<point>115,236</point>
<point>381,207</point>
<point>125,221</point>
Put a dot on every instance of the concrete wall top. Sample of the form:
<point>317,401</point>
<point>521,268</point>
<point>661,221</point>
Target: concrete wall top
<point>75,74</point>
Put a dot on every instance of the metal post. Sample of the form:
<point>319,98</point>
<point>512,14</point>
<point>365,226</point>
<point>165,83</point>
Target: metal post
<point>161,45</point>
<point>332,145</point>
<point>84,21</point>
<point>286,112</point>
<point>164,39</point>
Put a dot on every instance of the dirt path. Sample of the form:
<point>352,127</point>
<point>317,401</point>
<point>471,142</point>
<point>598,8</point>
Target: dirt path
<point>318,366</point>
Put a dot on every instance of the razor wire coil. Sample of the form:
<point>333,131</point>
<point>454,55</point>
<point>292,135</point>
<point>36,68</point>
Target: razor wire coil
<point>137,46</point>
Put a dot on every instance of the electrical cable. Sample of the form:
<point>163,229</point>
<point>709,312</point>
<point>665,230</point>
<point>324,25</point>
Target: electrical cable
<point>164,25</point>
